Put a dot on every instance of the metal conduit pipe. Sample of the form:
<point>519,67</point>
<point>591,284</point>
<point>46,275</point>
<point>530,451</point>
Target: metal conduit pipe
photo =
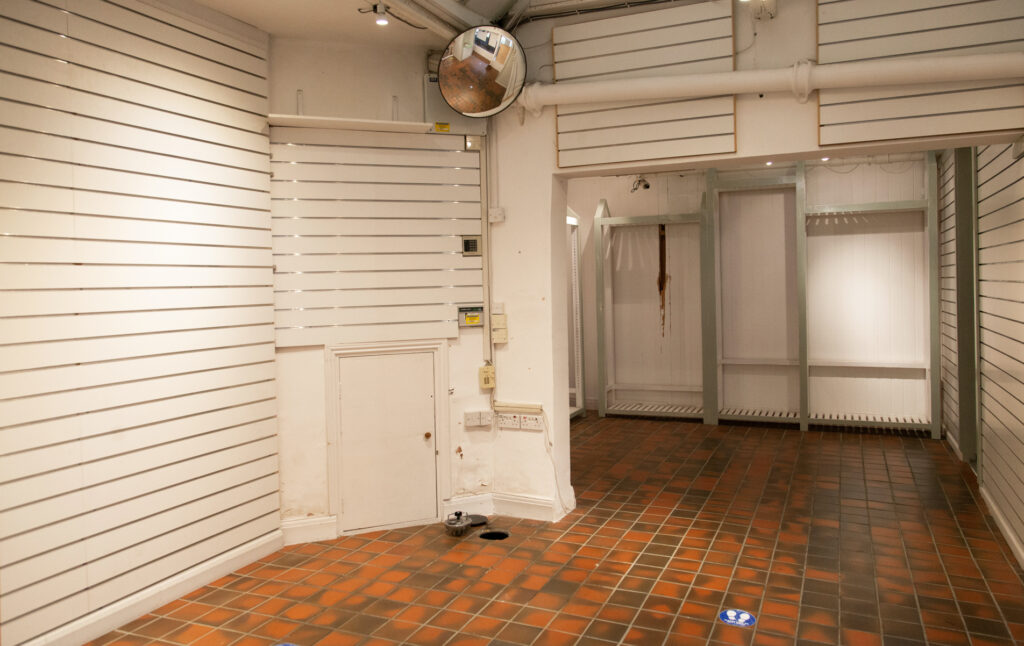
<point>414,13</point>
<point>801,79</point>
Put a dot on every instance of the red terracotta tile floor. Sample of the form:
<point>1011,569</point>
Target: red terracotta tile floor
<point>826,537</point>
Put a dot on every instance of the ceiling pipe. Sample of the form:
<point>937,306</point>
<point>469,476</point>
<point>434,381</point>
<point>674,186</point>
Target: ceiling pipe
<point>801,79</point>
<point>413,13</point>
<point>466,16</point>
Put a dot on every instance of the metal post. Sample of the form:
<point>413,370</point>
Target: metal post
<point>932,227</point>
<point>602,375</point>
<point>709,298</point>
<point>801,293</point>
<point>966,206</point>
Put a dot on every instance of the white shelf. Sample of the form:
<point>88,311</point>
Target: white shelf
<point>758,362</point>
<point>337,123</point>
<point>866,208</point>
<point>880,365</point>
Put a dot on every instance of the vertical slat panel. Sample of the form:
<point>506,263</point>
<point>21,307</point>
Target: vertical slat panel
<point>1001,332</point>
<point>948,297</point>
<point>857,30</point>
<point>137,432</point>
<point>689,39</point>
<point>367,234</point>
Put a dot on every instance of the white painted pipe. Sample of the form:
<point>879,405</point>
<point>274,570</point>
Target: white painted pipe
<point>801,79</point>
<point>414,13</point>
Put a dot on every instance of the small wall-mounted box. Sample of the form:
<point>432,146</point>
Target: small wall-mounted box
<point>472,246</point>
<point>471,316</point>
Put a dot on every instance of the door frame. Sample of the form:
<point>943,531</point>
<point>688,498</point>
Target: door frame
<point>439,350</point>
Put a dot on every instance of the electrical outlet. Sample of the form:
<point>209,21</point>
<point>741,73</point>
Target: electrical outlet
<point>508,420</point>
<point>531,422</point>
<point>471,418</point>
<point>487,377</point>
<point>486,418</point>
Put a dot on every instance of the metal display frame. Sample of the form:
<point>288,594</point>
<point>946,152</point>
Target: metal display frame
<point>603,221</point>
<point>578,406</point>
<point>707,218</point>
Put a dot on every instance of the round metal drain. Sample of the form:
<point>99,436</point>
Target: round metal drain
<point>494,535</point>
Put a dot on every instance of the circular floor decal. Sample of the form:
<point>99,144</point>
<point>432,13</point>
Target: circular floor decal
<point>737,618</point>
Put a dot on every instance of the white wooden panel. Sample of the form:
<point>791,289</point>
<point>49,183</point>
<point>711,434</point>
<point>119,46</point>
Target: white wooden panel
<point>653,150</point>
<point>65,124</point>
<point>48,380</point>
<point>689,39</point>
<point>365,138</point>
<point>47,432</point>
<point>760,389</point>
<point>357,298</point>
<point>1001,330</point>
<point>342,155</point>
<point>651,113</point>
<point>341,227</point>
<point>67,225</point>
<point>718,48</point>
<point>366,315</point>
<point>38,250</point>
<point>870,392</point>
<point>662,36</point>
<point>351,173</point>
<point>949,360</point>
<point>284,245</point>
<point>852,31</point>
<point>690,128</point>
<point>136,373</point>
<point>380,332</point>
<point>844,183</point>
<point>644,21</point>
<point>375,212</point>
<point>74,529</point>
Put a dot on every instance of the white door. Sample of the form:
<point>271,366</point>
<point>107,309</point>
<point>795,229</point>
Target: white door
<point>388,466</point>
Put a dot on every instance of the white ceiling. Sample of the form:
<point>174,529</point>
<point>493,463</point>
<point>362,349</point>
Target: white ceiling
<point>324,20</point>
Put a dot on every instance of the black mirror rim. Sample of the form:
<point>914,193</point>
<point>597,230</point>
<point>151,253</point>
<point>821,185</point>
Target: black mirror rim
<point>504,105</point>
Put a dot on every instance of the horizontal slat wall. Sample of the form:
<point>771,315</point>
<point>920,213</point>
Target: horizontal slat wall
<point>137,412</point>
<point>1001,330</point>
<point>367,235</point>
<point>859,30</point>
<point>689,39</point>
<point>949,363</point>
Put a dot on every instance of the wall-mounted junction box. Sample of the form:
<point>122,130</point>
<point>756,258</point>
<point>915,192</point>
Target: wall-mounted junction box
<point>471,316</point>
<point>487,377</point>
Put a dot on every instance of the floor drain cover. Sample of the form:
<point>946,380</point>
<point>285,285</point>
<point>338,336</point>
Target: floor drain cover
<point>494,535</point>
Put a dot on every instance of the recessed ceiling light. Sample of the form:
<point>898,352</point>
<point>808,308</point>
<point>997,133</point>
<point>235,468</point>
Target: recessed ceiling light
<point>767,163</point>
<point>825,158</point>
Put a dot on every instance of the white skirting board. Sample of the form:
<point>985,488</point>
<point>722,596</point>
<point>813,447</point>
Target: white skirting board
<point>1014,541</point>
<point>117,614</point>
<point>506,504</point>
<point>309,529</point>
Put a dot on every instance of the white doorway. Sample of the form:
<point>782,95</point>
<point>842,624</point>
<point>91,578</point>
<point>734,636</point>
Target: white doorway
<point>386,414</point>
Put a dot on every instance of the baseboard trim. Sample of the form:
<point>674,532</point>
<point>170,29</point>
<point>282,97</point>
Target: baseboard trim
<point>955,445</point>
<point>121,612</point>
<point>477,503</point>
<point>1012,539</point>
<point>525,506</point>
<point>309,529</point>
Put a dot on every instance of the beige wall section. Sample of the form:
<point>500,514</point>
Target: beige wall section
<point>342,80</point>
<point>302,428</point>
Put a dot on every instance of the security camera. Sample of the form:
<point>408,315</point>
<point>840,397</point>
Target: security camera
<point>638,183</point>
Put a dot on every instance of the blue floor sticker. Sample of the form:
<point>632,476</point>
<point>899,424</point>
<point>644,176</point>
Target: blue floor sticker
<point>737,618</point>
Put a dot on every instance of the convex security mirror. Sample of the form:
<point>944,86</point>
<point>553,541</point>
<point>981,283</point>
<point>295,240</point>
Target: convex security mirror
<point>482,71</point>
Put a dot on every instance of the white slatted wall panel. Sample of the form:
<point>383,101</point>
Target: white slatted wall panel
<point>137,413</point>
<point>367,235</point>
<point>947,297</point>
<point>858,30</point>
<point>690,39</point>
<point>1001,330</point>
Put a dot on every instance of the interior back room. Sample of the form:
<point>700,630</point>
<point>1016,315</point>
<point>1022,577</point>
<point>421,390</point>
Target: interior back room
<point>191,287</point>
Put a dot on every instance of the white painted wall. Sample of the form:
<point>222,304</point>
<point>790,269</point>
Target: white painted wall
<point>302,432</point>
<point>347,80</point>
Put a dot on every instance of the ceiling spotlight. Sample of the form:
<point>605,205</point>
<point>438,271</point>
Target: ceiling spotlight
<point>381,11</point>
<point>825,158</point>
<point>767,163</point>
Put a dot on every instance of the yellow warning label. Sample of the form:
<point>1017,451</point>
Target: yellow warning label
<point>440,126</point>
<point>472,319</point>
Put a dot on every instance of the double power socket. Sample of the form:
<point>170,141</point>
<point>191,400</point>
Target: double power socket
<point>485,418</point>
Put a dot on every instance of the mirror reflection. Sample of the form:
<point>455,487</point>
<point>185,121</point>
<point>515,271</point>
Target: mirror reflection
<point>482,71</point>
